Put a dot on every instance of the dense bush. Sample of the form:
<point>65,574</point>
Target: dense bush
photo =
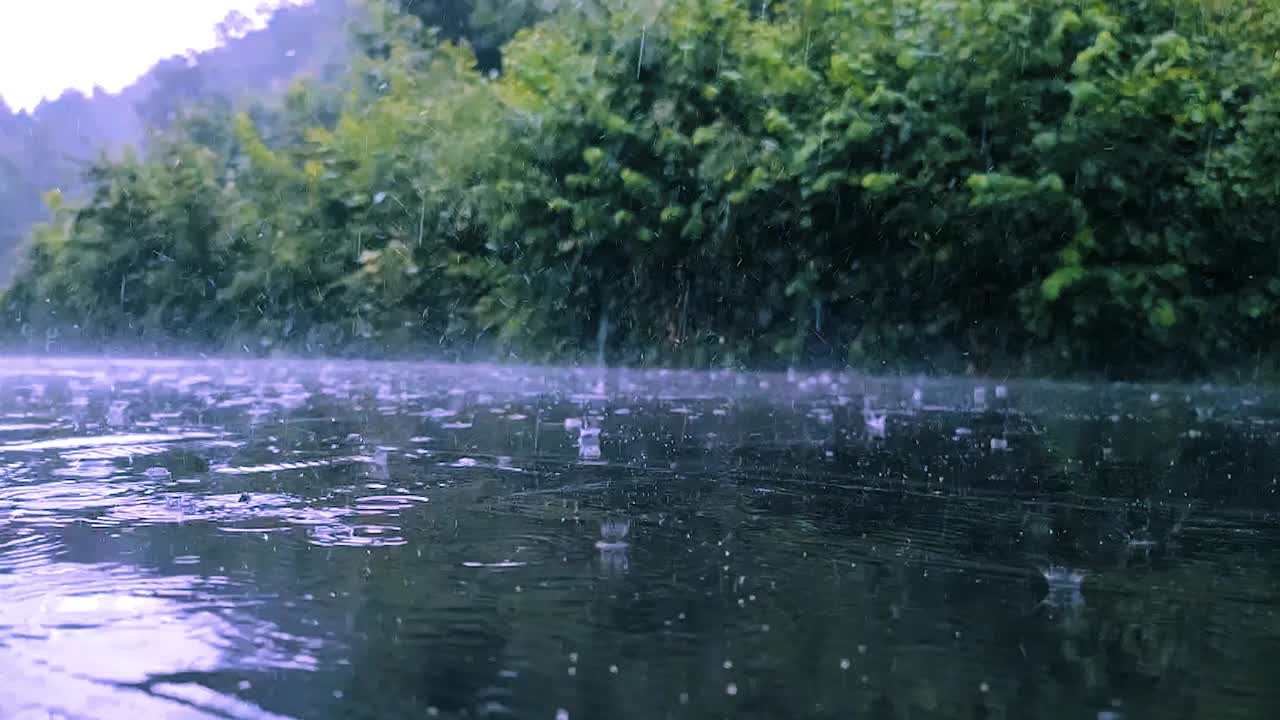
<point>1044,186</point>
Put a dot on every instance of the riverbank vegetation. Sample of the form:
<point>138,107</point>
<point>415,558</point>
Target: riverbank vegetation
<point>1050,186</point>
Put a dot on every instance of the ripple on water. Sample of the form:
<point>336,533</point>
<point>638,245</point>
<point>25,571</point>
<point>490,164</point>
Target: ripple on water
<point>173,507</point>
<point>24,548</point>
<point>388,503</point>
<point>356,535</point>
<point>215,703</point>
<point>288,466</point>
<point>22,428</point>
<point>774,504</point>
<point>61,502</point>
<point>99,441</point>
<point>118,625</point>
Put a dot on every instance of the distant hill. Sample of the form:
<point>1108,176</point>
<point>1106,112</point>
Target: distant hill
<point>49,147</point>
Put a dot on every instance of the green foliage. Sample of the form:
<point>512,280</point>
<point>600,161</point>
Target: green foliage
<point>1054,185</point>
<point>483,25</point>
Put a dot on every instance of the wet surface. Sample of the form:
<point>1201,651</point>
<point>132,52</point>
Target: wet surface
<point>307,540</point>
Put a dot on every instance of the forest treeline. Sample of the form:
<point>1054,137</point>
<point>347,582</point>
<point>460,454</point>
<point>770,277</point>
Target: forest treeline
<point>1045,186</point>
<point>51,145</point>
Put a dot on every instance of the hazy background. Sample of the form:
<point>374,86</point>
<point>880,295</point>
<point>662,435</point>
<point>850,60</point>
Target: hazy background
<point>79,78</point>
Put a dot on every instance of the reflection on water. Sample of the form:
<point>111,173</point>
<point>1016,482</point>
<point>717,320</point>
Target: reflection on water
<point>311,540</point>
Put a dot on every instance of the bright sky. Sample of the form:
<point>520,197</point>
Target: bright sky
<point>47,46</point>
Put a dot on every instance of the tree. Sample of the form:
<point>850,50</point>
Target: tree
<point>1037,187</point>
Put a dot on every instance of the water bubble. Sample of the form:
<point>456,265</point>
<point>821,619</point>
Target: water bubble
<point>873,418</point>
<point>844,663</point>
<point>378,465</point>
<point>1064,587</point>
<point>614,530</point>
<point>1062,578</point>
<point>874,421</point>
<point>116,414</point>
<point>589,443</point>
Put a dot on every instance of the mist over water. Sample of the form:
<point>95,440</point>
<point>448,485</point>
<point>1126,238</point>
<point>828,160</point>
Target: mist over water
<point>215,539</point>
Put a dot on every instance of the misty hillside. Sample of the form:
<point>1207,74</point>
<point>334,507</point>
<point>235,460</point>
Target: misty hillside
<point>50,146</point>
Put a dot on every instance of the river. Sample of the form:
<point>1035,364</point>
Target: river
<point>307,539</point>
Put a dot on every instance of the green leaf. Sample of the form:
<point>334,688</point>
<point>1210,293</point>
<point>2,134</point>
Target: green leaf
<point>877,182</point>
<point>1061,279</point>
<point>1163,315</point>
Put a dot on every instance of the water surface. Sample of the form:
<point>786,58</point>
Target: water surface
<point>348,540</point>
